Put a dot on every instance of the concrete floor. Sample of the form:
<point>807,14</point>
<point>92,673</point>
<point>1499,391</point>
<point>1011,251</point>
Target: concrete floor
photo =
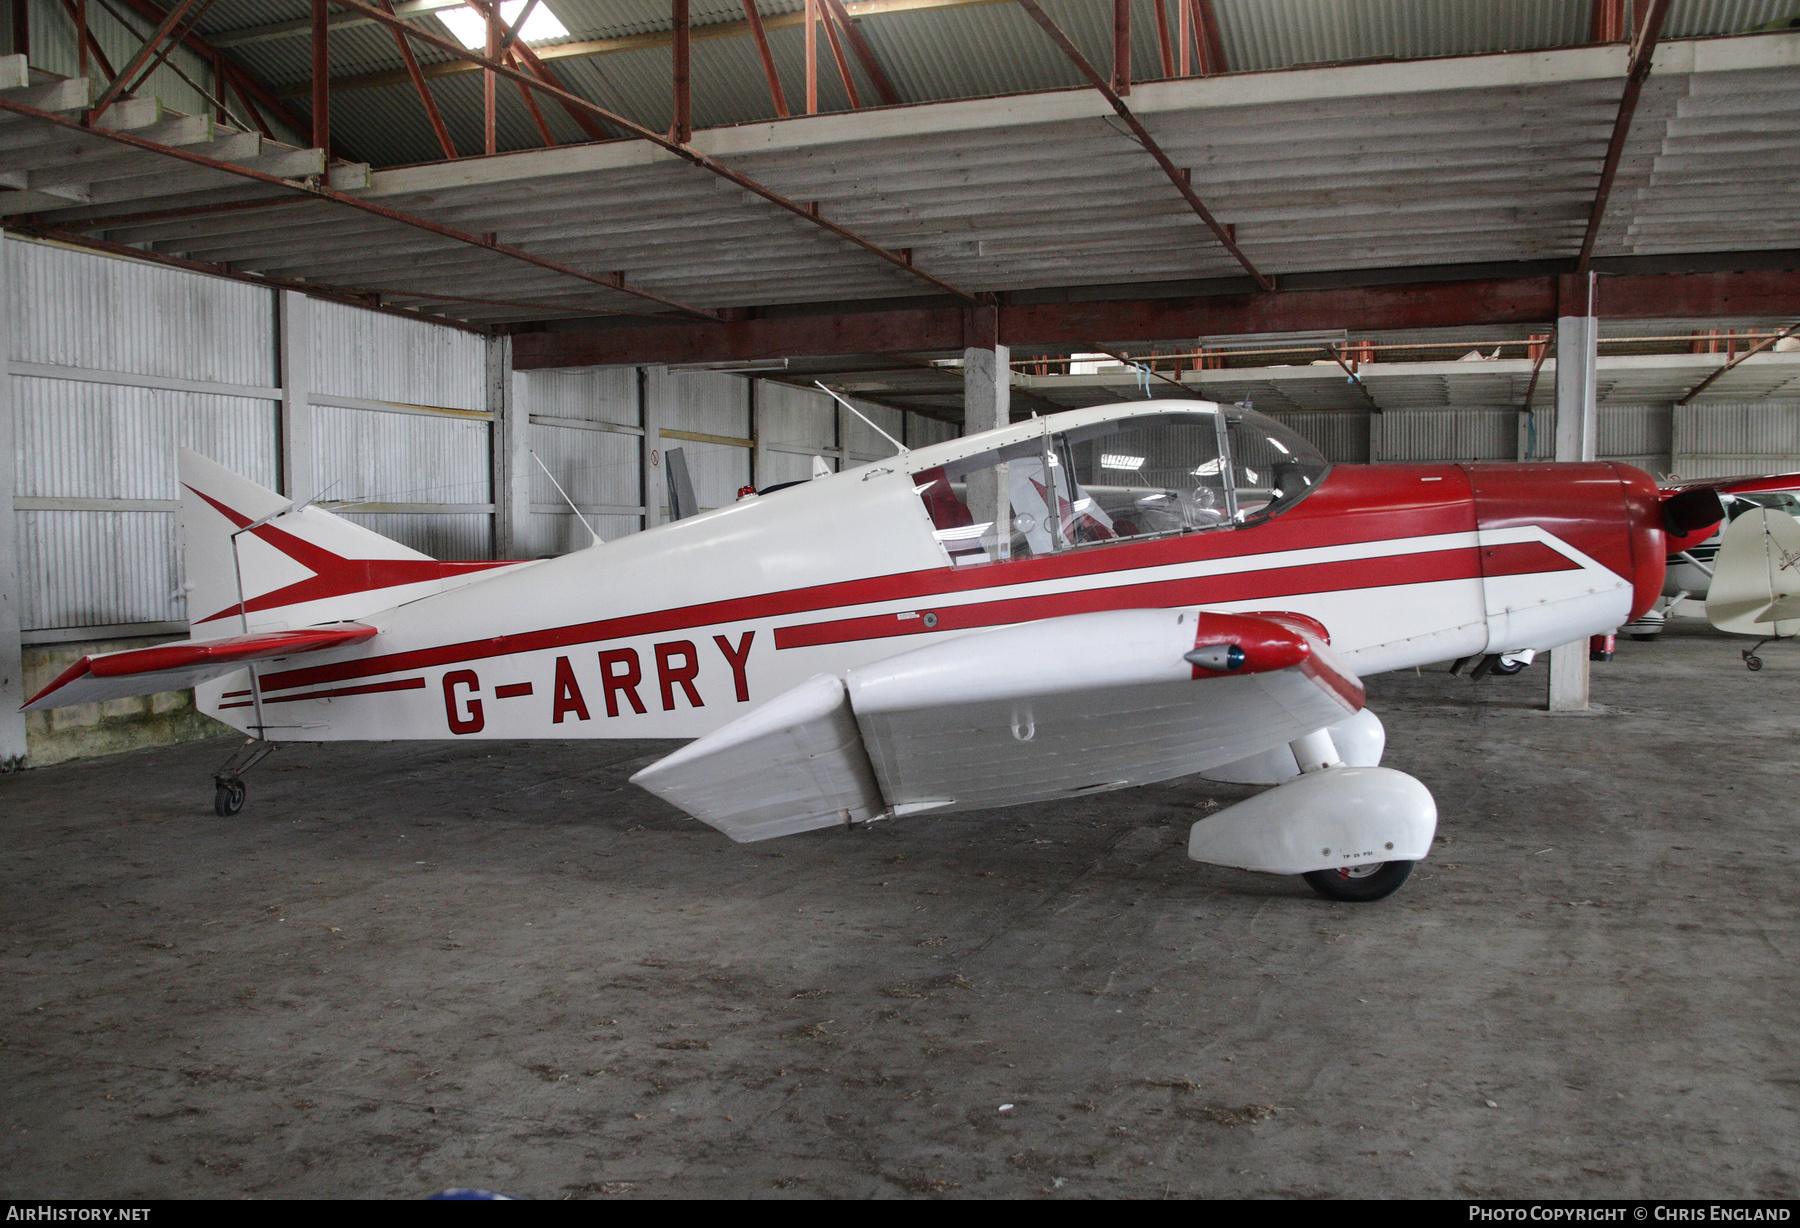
<point>417,966</point>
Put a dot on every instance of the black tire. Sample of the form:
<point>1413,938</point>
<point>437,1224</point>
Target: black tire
<point>1753,663</point>
<point>1506,669</point>
<point>228,798</point>
<point>1643,637</point>
<point>1360,884</point>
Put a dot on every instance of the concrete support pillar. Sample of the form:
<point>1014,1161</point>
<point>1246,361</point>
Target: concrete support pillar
<point>1577,427</point>
<point>987,374</point>
<point>12,596</point>
<point>293,331</point>
<point>1577,335</point>
<point>511,450</point>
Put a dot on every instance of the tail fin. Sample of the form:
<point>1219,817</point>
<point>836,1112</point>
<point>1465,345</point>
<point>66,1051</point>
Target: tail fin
<point>296,567</point>
<point>1755,586</point>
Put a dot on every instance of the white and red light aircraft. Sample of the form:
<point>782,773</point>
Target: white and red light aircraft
<point>1082,602</point>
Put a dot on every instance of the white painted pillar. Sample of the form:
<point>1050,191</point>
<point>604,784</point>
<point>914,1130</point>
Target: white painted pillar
<point>12,594</point>
<point>293,327</point>
<point>1577,426</point>
<point>510,442</point>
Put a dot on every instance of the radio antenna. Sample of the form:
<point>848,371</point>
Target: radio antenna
<point>566,499</point>
<point>859,413</point>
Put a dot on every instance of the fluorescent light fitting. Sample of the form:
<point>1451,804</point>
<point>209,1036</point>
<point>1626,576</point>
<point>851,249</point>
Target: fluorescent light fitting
<point>1130,464</point>
<point>470,27</point>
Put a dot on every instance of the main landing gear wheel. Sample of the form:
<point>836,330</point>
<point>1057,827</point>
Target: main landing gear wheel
<point>1360,884</point>
<point>228,798</point>
<point>1506,668</point>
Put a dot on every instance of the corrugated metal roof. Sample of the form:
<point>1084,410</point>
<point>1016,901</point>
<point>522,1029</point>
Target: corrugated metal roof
<point>979,50</point>
<point>1490,158</point>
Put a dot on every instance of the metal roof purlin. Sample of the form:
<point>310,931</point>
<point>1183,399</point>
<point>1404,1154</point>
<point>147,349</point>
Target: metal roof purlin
<point>612,281</point>
<point>1176,176</point>
<point>685,152</point>
<point>1643,51</point>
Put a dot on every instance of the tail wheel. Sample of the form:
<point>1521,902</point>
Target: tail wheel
<point>1752,663</point>
<point>228,798</point>
<point>1360,884</point>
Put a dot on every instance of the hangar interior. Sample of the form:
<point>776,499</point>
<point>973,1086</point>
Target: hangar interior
<point>472,281</point>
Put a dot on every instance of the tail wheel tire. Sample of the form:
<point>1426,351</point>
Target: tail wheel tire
<point>1360,884</point>
<point>1753,663</point>
<point>228,798</point>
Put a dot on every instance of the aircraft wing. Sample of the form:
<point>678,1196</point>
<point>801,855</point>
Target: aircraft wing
<point>1033,712</point>
<point>172,667</point>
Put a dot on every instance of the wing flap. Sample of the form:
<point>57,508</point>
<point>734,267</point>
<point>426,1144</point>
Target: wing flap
<point>794,764</point>
<point>173,667</point>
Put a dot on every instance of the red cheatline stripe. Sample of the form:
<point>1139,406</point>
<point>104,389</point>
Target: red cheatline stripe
<point>1240,586</point>
<point>934,581</point>
<point>1463,563</point>
<point>402,684</point>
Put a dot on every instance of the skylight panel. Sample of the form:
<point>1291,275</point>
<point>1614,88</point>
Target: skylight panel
<point>470,27</point>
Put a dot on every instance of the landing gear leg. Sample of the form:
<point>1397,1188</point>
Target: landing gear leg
<point>228,781</point>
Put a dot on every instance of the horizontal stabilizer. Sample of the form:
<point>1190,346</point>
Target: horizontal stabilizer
<point>1755,586</point>
<point>794,764</point>
<point>173,667</point>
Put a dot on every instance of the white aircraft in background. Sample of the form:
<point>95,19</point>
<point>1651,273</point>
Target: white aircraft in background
<point>1694,558</point>
<point>1077,603</point>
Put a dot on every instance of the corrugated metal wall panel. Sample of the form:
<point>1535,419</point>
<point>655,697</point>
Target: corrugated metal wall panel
<point>922,431</point>
<point>779,467</point>
<point>795,416</point>
<point>104,441</point>
<point>863,444</point>
<point>594,467</point>
<point>94,569</point>
<point>77,309</point>
<point>456,537</point>
<point>588,394</point>
<point>1716,440</point>
<point>1343,436</point>
<point>374,457</point>
<point>703,401</point>
<point>1637,435</point>
<point>379,357</point>
<point>553,533</point>
<point>1450,435</point>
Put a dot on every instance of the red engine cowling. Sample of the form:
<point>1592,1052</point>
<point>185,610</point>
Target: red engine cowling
<point>1610,512</point>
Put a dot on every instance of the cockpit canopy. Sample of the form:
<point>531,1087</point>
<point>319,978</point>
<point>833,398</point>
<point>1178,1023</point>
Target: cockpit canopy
<point>1128,478</point>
